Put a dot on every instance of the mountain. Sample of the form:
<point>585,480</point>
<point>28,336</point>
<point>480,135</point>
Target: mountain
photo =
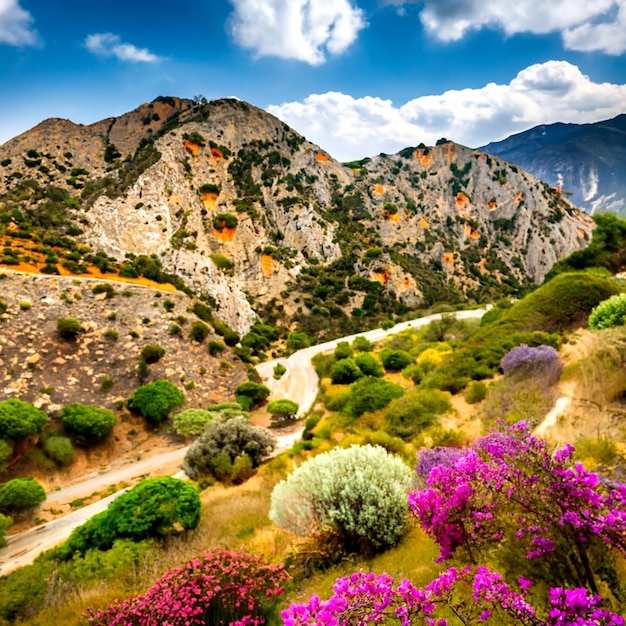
<point>226,200</point>
<point>585,160</point>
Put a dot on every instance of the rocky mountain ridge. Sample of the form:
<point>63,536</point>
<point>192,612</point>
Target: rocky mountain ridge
<point>586,160</point>
<point>258,219</point>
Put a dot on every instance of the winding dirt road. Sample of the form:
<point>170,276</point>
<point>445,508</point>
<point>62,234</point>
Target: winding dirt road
<point>299,383</point>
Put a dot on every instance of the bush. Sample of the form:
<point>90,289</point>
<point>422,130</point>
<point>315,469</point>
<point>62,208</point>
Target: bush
<point>298,341</point>
<point>415,411</point>
<point>254,392</point>
<point>6,452</point>
<point>609,313</point>
<point>525,362</point>
<point>5,523</point>
<point>369,365</point>
<point>362,344</point>
<point>3,307</point>
<point>279,371</point>
<point>228,439</point>
<point>156,400</point>
<point>59,449</point>
<point>225,220</point>
<point>199,331</point>
<point>370,394</point>
<point>345,372</point>
<point>20,494</point>
<point>191,422</point>
<point>283,409</point>
<point>476,392</point>
<point>88,424</point>
<point>152,353</point>
<point>215,347</point>
<point>395,360</point>
<point>104,288</point>
<point>68,328</point>
<point>19,419</point>
<point>357,493</point>
<point>343,351</point>
<point>217,588</point>
<point>154,508</point>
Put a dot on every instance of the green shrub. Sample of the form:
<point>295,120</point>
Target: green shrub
<point>215,347</point>
<point>5,523</point>
<point>20,494</point>
<point>104,288</point>
<point>112,334</point>
<point>369,365</point>
<point>344,372</point>
<point>225,220</point>
<point>221,443</point>
<point>416,410</point>
<point>59,449</point>
<point>107,383</point>
<point>283,409</point>
<point>231,338</point>
<point>279,371</point>
<point>476,392</point>
<point>6,452</point>
<point>254,391</point>
<point>395,360</point>
<point>68,328</point>
<point>222,262</point>
<point>370,394</point>
<point>609,313</point>
<point>89,425</point>
<point>156,400</point>
<point>19,419</point>
<point>242,469</point>
<point>298,341</point>
<point>191,422</point>
<point>154,508</point>
<point>3,307</point>
<point>152,353</point>
<point>357,493</point>
<point>343,351</point>
<point>362,344</point>
<point>199,331</point>
<point>209,188</point>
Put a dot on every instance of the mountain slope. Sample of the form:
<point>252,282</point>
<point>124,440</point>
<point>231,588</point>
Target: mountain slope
<point>586,160</point>
<point>253,216</point>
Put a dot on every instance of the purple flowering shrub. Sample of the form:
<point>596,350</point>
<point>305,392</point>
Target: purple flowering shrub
<point>218,588</point>
<point>508,490</point>
<point>524,361</point>
<point>467,596</point>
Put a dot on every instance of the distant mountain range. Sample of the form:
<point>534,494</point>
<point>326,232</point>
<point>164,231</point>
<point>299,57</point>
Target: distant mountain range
<point>587,161</point>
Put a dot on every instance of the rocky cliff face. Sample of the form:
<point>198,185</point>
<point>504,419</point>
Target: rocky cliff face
<point>586,160</point>
<point>247,211</point>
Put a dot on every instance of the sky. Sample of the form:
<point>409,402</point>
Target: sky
<point>356,77</point>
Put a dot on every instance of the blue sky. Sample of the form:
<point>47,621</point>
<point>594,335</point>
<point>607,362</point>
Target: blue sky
<point>355,76</point>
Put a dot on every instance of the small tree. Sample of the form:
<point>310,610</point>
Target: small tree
<point>19,419</point>
<point>152,353</point>
<point>59,449</point>
<point>415,411</point>
<point>191,422</point>
<point>230,438</point>
<point>395,360</point>
<point>370,394</point>
<point>68,328</point>
<point>88,424</point>
<point>20,494</point>
<point>250,394</point>
<point>369,365</point>
<point>362,344</point>
<point>343,350</point>
<point>358,493</point>
<point>298,341</point>
<point>156,400</point>
<point>283,409</point>
<point>345,372</point>
<point>199,331</point>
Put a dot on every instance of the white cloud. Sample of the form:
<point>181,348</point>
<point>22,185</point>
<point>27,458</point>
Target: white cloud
<point>110,45</point>
<point>16,25</point>
<point>304,30</point>
<point>351,128</point>
<point>584,24</point>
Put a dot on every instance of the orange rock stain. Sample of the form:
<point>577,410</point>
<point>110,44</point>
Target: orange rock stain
<point>424,159</point>
<point>519,198</point>
<point>225,235</point>
<point>492,205</point>
<point>381,277</point>
<point>470,233</point>
<point>379,190</point>
<point>217,155</point>
<point>423,223</point>
<point>461,199</point>
<point>191,147</point>
<point>448,258</point>
<point>267,265</point>
<point>322,158</point>
<point>393,217</point>
<point>209,200</point>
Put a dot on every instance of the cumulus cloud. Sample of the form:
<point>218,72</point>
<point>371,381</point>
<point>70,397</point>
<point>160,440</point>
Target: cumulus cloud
<point>586,25</point>
<point>555,91</point>
<point>304,30</point>
<point>110,45</point>
<point>16,25</point>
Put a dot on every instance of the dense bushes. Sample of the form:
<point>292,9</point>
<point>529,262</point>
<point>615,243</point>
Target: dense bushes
<point>155,507</point>
<point>59,449</point>
<point>156,400</point>
<point>20,494</point>
<point>369,365</point>
<point>191,422</point>
<point>370,394</point>
<point>416,410</point>
<point>344,372</point>
<point>357,493</point>
<point>228,449</point>
<point>89,425</point>
<point>250,394</point>
<point>19,419</point>
<point>283,409</point>
<point>395,360</point>
<point>609,313</point>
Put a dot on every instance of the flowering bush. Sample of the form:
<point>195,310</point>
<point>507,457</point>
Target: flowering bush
<point>218,588</point>
<point>525,361</point>
<point>609,313</point>
<point>367,598</point>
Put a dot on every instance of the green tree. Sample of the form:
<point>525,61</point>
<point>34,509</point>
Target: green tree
<point>298,341</point>
<point>395,360</point>
<point>251,394</point>
<point>20,494</point>
<point>227,437</point>
<point>89,425</point>
<point>369,365</point>
<point>191,422</point>
<point>362,344</point>
<point>19,419</point>
<point>358,493</point>
<point>345,372</point>
<point>154,508</point>
<point>283,409</point>
<point>343,351</point>
<point>370,394</point>
<point>156,400</point>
